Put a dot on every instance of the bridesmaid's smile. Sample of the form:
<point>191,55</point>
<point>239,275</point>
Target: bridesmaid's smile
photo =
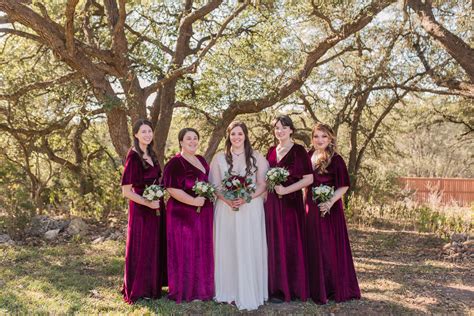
<point>282,132</point>
<point>144,135</point>
<point>190,142</point>
<point>320,140</point>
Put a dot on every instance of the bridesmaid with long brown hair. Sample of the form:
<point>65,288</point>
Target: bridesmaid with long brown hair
<point>145,252</point>
<point>285,216</point>
<point>330,265</point>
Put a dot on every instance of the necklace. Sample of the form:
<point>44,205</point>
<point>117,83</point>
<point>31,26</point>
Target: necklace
<point>237,154</point>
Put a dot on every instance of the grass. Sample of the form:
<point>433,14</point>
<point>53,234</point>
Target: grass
<point>399,273</point>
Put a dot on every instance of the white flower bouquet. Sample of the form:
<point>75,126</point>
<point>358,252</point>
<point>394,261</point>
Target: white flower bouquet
<point>154,192</point>
<point>276,176</point>
<point>206,190</point>
<point>322,193</point>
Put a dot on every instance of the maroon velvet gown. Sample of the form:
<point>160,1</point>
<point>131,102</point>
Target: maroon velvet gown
<point>284,220</point>
<point>330,265</point>
<point>145,253</point>
<point>189,235</point>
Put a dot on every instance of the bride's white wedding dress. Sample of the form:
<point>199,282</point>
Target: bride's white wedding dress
<point>240,244</point>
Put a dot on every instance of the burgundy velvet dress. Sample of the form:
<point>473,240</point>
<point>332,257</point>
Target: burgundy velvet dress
<point>330,265</point>
<point>145,253</point>
<point>189,235</point>
<point>284,219</point>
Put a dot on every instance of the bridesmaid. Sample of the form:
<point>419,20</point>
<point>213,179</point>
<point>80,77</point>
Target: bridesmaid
<point>331,269</point>
<point>285,215</point>
<point>145,253</point>
<point>189,234</point>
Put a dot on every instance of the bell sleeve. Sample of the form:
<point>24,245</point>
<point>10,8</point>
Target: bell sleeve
<point>173,174</point>
<point>340,172</point>
<point>133,171</point>
<point>302,165</point>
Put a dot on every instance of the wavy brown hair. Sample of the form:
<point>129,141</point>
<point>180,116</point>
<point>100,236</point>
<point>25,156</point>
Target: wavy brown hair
<point>321,164</point>
<point>250,160</point>
<point>149,148</point>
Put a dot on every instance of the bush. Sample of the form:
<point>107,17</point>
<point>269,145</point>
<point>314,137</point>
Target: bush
<point>442,220</point>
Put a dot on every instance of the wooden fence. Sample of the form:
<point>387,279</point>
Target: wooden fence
<point>447,190</point>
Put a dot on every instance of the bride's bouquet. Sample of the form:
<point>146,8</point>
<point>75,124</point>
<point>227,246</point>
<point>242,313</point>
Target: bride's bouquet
<point>234,187</point>
<point>154,192</point>
<point>276,176</point>
<point>206,190</point>
<point>322,193</point>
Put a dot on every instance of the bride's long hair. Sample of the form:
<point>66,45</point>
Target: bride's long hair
<point>322,162</point>
<point>250,161</point>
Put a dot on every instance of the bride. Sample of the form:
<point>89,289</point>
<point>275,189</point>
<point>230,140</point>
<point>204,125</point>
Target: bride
<point>240,249</point>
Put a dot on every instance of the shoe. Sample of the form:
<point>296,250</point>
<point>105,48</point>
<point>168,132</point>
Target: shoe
<point>275,300</point>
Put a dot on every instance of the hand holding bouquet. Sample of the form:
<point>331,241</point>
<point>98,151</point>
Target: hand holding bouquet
<point>154,192</point>
<point>235,187</point>
<point>206,190</point>
<point>276,176</point>
<point>323,193</point>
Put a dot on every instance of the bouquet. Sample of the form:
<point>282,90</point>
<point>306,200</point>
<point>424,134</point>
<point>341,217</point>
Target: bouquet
<point>154,192</point>
<point>276,176</point>
<point>323,193</point>
<point>234,187</point>
<point>206,190</point>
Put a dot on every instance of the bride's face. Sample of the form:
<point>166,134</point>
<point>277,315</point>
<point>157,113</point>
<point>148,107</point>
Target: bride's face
<point>237,137</point>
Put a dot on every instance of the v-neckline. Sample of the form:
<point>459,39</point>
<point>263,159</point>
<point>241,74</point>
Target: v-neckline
<point>151,165</point>
<point>276,153</point>
<point>204,172</point>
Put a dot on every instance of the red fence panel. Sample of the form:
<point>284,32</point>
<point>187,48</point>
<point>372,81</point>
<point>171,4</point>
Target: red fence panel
<point>460,190</point>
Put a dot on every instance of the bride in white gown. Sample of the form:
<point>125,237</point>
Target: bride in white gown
<point>240,244</point>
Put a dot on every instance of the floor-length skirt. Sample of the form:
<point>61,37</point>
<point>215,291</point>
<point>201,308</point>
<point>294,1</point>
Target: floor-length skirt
<point>330,256</point>
<point>241,274</point>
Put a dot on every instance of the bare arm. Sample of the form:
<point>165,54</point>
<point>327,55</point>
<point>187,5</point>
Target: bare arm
<point>261,187</point>
<point>129,194</point>
<point>326,206</point>
<point>304,182</point>
<point>185,198</point>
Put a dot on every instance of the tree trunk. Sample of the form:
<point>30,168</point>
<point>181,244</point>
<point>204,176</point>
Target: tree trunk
<point>354,129</point>
<point>167,98</point>
<point>217,134</point>
<point>118,130</point>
